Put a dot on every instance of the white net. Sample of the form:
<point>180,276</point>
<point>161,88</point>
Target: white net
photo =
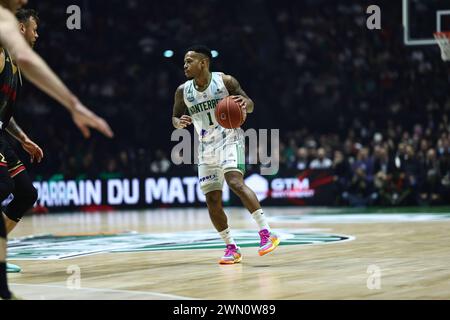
<point>443,40</point>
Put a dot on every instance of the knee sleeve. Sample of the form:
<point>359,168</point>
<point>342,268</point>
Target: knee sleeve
<point>2,228</point>
<point>25,195</point>
<point>6,187</point>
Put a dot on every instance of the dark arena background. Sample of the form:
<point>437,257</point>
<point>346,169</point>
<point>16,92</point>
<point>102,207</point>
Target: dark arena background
<point>355,103</point>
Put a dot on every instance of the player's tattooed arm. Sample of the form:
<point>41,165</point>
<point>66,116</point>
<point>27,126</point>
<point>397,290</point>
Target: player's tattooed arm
<point>28,145</point>
<point>234,88</point>
<point>179,119</point>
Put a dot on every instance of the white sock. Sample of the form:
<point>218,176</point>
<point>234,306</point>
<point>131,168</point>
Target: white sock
<point>260,219</point>
<point>226,236</point>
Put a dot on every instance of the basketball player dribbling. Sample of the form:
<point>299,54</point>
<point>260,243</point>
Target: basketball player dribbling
<point>221,151</point>
<point>17,51</point>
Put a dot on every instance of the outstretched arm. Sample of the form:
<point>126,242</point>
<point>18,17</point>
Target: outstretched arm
<point>179,119</point>
<point>40,74</point>
<point>234,88</point>
<point>28,145</point>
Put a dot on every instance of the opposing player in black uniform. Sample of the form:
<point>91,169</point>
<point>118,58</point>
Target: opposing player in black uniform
<point>24,192</point>
<point>14,48</point>
<point>28,23</point>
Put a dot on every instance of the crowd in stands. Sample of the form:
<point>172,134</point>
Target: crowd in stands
<point>355,101</point>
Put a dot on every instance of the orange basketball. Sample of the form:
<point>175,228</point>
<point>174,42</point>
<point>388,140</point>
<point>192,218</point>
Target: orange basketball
<point>229,114</point>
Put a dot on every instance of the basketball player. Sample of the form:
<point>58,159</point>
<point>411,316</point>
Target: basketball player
<point>25,195</point>
<point>221,151</point>
<point>14,48</point>
<point>28,24</point>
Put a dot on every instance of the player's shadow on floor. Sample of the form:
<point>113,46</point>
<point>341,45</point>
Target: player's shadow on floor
<point>262,266</point>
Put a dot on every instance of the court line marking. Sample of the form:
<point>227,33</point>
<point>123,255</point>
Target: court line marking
<point>150,293</point>
<point>116,249</point>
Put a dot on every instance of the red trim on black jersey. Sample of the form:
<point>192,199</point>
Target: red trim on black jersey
<point>17,171</point>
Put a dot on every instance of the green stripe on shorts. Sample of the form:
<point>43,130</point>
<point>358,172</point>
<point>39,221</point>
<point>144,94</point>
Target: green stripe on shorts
<point>241,158</point>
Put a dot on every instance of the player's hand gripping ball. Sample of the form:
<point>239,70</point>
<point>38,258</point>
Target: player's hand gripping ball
<point>230,112</point>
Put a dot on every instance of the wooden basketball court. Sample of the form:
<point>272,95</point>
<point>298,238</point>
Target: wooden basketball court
<point>387,256</point>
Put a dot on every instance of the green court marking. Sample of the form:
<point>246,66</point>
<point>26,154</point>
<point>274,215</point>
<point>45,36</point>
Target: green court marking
<point>357,217</point>
<point>53,247</point>
<point>393,210</point>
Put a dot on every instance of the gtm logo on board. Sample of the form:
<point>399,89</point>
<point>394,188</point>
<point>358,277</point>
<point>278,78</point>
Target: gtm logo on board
<point>280,188</point>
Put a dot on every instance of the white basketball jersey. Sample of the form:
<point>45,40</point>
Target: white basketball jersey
<point>201,106</point>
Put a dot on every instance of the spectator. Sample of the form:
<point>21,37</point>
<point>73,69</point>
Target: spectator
<point>302,159</point>
<point>321,162</point>
<point>360,192</point>
<point>430,184</point>
<point>161,164</point>
<point>363,160</point>
<point>342,173</point>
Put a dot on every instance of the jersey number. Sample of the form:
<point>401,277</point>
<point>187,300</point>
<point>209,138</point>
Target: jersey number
<point>210,119</point>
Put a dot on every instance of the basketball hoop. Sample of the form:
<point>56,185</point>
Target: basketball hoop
<point>443,40</point>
